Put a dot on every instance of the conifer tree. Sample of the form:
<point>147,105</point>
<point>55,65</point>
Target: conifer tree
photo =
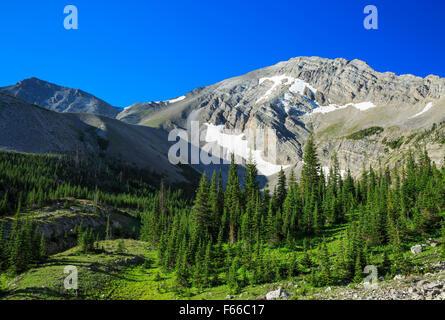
<point>250,180</point>
<point>341,268</point>
<point>358,272</point>
<point>201,209</point>
<point>214,207</point>
<point>386,263</point>
<point>199,270</point>
<point>325,272</point>
<point>233,281</point>
<point>232,200</point>
<point>17,259</point>
<point>311,169</point>
<point>281,191</point>
<point>208,265</point>
<point>318,220</point>
<point>42,248</point>
<point>182,278</point>
<point>220,196</point>
<point>401,263</point>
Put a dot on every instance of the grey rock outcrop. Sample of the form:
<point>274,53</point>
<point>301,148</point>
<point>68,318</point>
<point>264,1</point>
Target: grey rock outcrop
<point>277,294</point>
<point>430,286</point>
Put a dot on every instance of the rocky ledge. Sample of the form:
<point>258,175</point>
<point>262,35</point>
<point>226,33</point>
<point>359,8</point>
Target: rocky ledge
<point>430,286</point>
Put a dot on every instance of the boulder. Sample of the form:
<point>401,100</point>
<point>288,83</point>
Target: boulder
<point>273,295</point>
<point>277,294</point>
<point>416,249</point>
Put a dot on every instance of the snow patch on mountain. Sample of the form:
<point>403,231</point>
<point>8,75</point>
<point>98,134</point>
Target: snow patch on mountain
<point>362,106</point>
<point>296,85</point>
<point>427,107</point>
<point>299,85</point>
<point>237,144</point>
<point>176,99</point>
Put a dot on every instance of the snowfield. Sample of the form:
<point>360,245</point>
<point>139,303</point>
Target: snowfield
<point>176,99</point>
<point>427,107</point>
<point>363,106</point>
<point>238,145</point>
<point>296,85</point>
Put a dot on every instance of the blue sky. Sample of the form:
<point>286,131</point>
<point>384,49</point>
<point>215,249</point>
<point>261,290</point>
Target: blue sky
<point>137,51</point>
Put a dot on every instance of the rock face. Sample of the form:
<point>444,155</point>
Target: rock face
<point>57,98</point>
<point>335,97</point>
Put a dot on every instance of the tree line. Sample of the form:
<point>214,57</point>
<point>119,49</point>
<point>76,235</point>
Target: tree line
<point>29,181</point>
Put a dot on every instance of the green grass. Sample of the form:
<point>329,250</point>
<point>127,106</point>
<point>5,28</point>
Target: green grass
<point>95,273</point>
<point>144,282</point>
<point>155,122</point>
<point>332,130</point>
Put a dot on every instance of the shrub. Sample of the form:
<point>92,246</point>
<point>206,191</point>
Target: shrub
<point>365,133</point>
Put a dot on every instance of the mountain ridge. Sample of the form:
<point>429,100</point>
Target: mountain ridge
<point>33,129</point>
<point>59,98</point>
<point>292,96</point>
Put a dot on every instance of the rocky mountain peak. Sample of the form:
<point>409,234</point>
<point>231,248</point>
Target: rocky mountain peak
<point>336,97</point>
<point>59,98</point>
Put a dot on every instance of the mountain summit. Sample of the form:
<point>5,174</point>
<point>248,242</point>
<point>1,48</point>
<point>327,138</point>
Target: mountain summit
<point>337,98</point>
<point>58,98</point>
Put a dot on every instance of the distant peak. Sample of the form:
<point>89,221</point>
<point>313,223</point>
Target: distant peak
<point>32,80</point>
